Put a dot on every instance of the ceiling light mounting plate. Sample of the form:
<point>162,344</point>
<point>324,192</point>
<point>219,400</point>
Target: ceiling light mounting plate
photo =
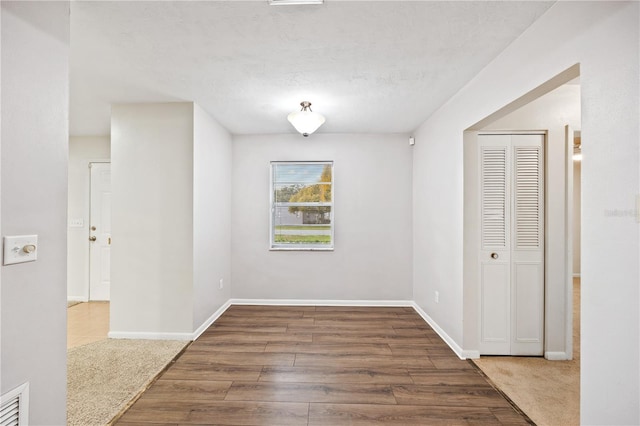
<point>294,2</point>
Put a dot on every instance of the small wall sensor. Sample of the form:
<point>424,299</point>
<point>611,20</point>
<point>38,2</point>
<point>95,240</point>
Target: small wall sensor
<point>412,141</point>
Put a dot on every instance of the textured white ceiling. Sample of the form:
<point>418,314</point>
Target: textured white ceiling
<point>368,66</point>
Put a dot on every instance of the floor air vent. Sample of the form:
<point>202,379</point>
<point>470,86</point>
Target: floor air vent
<point>14,407</point>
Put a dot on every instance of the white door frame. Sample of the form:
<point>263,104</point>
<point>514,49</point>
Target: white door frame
<point>569,134</point>
<point>471,294</point>
<point>535,343</point>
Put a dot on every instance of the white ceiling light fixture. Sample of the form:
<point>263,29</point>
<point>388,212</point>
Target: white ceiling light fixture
<point>294,2</point>
<point>306,121</point>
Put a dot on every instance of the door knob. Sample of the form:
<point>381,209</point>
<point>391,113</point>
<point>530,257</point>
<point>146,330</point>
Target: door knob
<point>92,238</point>
<point>494,255</point>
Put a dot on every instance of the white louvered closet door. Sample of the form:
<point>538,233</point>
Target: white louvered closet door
<point>511,255</point>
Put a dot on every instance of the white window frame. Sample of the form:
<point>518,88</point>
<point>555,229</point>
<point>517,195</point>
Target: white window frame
<point>272,209</point>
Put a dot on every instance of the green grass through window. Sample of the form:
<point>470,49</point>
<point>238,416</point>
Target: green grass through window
<point>323,239</point>
<point>304,227</point>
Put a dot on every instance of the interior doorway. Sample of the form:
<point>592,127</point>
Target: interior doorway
<point>83,152</point>
<point>548,108</point>
<point>100,232</point>
<point>511,258</point>
<point>577,200</point>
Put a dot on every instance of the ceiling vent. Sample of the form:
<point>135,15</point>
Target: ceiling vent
<point>14,407</point>
<point>294,2</point>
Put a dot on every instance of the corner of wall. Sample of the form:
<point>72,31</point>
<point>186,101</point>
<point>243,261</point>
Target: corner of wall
<point>443,334</point>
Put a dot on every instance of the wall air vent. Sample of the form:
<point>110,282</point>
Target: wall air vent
<point>294,2</point>
<point>14,407</point>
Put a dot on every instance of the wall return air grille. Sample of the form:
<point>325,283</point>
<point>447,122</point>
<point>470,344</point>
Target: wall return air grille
<point>14,407</point>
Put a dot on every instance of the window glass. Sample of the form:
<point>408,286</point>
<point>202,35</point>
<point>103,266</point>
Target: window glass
<point>302,205</point>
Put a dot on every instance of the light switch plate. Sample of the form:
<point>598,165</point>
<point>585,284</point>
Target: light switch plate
<point>76,223</point>
<point>20,248</point>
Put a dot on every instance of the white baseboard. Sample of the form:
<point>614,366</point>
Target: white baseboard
<point>462,354</point>
<point>556,356</point>
<point>297,302</point>
<point>447,339</point>
<point>149,335</point>
<point>77,299</point>
<point>470,354</point>
<point>312,302</point>
<point>171,336</point>
<point>211,320</point>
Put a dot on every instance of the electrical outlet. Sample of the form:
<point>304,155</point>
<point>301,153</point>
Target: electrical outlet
<point>221,286</point>
<point>437,297</point>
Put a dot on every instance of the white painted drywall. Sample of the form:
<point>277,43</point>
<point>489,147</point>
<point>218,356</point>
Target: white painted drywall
<point>211,216</point>
<point>35,138</point>
<point>372,187</point>
<point>604,38</point>
<point>551,112</point>
<point>82,151</point>
<point>152,218</point>
<point>561,105</point>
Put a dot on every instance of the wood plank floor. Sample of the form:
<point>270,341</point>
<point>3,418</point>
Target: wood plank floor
<point>268,365</point>
<point>87,323</point>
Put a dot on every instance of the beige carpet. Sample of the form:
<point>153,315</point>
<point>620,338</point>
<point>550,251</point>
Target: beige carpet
<point>103,377</point>
<point>547,391</point>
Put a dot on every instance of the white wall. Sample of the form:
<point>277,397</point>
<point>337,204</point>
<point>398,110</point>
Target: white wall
<point>82,151</point>
<point>152,218</point>
<point>555,109</point>
<point>603,37</point>
<point>211,216</point>
<point>35,137</point>
<point>372,189</point>
<point>552,112</point>
<point>171,219</point>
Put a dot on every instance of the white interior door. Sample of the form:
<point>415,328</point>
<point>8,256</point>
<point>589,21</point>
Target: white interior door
<point>100,232</point>
<point>511,254</point>
<point>495,239</point>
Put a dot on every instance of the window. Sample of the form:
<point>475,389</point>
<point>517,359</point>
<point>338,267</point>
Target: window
<point>302,205</point>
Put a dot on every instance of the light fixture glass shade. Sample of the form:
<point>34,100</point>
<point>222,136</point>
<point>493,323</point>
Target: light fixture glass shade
<point>306,121</point>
